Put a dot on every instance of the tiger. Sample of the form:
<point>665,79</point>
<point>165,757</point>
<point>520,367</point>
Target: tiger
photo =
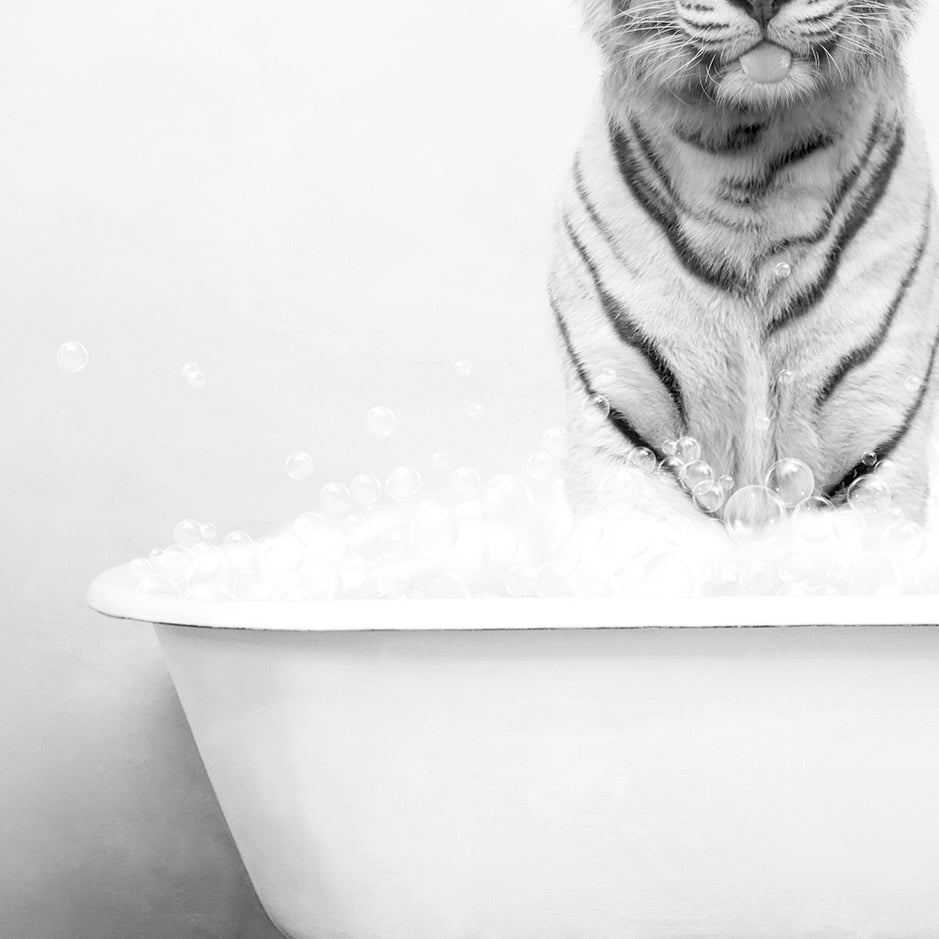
<point>746,251</point>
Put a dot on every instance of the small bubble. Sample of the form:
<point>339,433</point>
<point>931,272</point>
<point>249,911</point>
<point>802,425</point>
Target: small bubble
<point>190,368</point>
<point>521,581</point>
<point>672,465</point>
<point>785,377</point>
<point>912,383</point>
<point>893,516</point>
<point>687,449</point>
<point>474,411</point>
<point>299,466</point>
<point>643,459</point>
<point>596,409</point>
<point>763,424</point>
<point>463,368</point>
<point>791,480</point>
<point>783,270</point>
<point>869,458</point>
<point>209,531</point>
<point>187,533</point>
<point>355,524</point>
<point>72,357</point>
<point>175,562</point>
<point>709,496</point>
<point>540,465</point>
<point>366,489</point>
<point>669,447</point>
<point>404,483</point>
<point>869,496</point>
<point>195,380</point>
<point>380,422</point>
<point>335,498</point>
<point>753,514</point>
<point>554,441</point>
<point>440,460</point>
<point>465,482</point>
<point>695,473</point>
<point>727,483</point>
<point>508,499</point>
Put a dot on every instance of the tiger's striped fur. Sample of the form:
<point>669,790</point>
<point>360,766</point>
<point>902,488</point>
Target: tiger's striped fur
<point>685,198</point>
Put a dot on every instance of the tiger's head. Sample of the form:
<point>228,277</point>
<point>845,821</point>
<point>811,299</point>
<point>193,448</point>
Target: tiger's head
<point>750,53</point>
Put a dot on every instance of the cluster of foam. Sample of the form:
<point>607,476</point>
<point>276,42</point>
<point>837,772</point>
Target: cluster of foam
<point>509,536</point>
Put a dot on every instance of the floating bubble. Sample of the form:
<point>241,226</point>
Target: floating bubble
<point>726,483</point>
<point>912,383</point>
<point>893,515</point>
<point>404,483</point>
<point>669,447</point>
<point>433,530</point>
<point>695,473</point>
<point>869,496</point>
<point>474,411</point>
<point>195,380</point>
<point>643,459</point>
<point>753,515</point>
<point>463,368</point>
<point>541,465</point>
<point>508,499</point>
<point>814,519</point>
<point>554,441</point>
<point>762,424</point>
<point>380,422</point>
<point>687,449</point>
<point>783,270</point>
<point>440,460</point>
<point>187,533</point>
<point>299,466</point>
<point>596,409</point>
<point>792,481</point>
<point>785,378</point>
<point>209,531</point>
<point>366,489</point>
<point>465,482</point>
<point>869,458</point>
<point>190,368</point>
<point>335,498</point>
<point>72,357</point>
<point>708,496</point>
<point>175,562</point>
<point>672,466</point>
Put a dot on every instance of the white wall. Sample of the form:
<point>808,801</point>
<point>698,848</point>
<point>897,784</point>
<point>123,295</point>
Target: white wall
<point>323,207</point>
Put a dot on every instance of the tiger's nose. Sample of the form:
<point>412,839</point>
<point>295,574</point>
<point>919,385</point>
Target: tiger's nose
<point>761,10</point>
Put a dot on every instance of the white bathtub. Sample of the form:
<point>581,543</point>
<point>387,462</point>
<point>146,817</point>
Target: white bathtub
<point>539,769</point>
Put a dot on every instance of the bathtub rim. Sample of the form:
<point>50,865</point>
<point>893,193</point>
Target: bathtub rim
<point>112,593</point>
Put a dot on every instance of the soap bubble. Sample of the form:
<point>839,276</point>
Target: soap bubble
<point>404,483</point>
<point>708,496</point>
<point>869,458</point>
<point>239,549</point>
<point>159,585</point>
<point>893,515</point>
<point>554,441</point>
<point>209,531</point>
<point>463,368</point>
<point>669,447</point>
<point>474,411</point>
<point>905,541</point>
<point>596,409</point>
<point>72,357</point>
<point>687,449</point>
<point>643,459</point>
<point>541,465</point>
<point>726,483</point>
<point>753,514</point>
<point>187,533</point>
<point>912,383</point>
<point>380,422</point>
<point>175,562</point>
<point>791,480</point>
<point>521,581</point>
<point>355,525</point>
<point>465,482</point>
<point>785,377</point>
<point>299,466</point>
<point>366,489</point>
<point>190,368</point>
<point>392,583</point>
<point>763,423</point>
<point>195,380</point>
<point>869,496</point>
<point>440,460</point>
<point>783,270</point>
<point>433,530</point>
<point>335,498</point>
<point>210,565</point>
<point>695,473</point>
<point>553,579</point>
<point>508,499</point>
<point>814,519</point>
<point>672,466</point>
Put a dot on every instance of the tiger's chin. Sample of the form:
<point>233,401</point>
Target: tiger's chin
<point>765,89</point>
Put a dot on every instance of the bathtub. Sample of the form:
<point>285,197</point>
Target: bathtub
<point>569,769</point>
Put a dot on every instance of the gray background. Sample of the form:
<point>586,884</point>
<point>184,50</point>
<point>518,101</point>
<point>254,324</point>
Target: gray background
<point>324,208</point>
